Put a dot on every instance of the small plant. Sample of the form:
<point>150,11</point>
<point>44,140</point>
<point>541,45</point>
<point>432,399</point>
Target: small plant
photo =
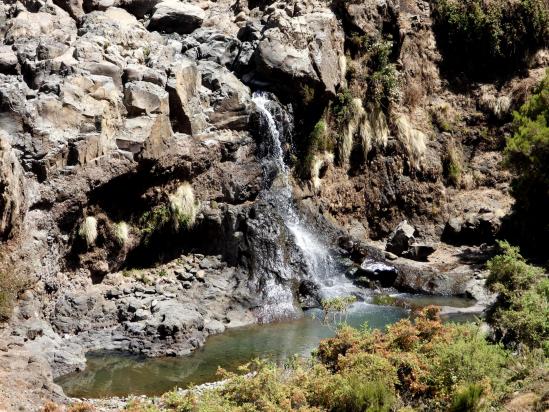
<point>384,300</point>
<point>154,220</point>
<point>453,164</point>
<point>121,233</point>
<point>468,399</point>
<point>147,54</point>
<point>88,231</point>
<point>308,94</point>
<point>335,309</point>
<point>183,206</point>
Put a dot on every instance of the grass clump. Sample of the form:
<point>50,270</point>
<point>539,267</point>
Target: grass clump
<point>88,231</point>
<point>484,37</point>
<point>121,233</point>
<point>453,164</point>
<point>177,212</point>
<point>520,315</point>
<point>183,207</point>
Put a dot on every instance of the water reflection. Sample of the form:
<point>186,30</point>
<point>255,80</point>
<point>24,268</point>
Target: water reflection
<point>119,374</point>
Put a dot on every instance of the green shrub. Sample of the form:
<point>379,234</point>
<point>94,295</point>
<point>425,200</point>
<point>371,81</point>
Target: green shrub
<point>468,399</point>
<point>521,313</point>
<point>342,107</point>
<point>486,36</point>
<point>154,220</point>
<point>527,155</point>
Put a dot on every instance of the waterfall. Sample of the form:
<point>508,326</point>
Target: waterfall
<point>321,267</point>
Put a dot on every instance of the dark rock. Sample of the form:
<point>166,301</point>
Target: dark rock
<point>473,228</point>
<point>419,252</point>
<point>380,273</point>
<point>401,239</point>
<point>171,16</point>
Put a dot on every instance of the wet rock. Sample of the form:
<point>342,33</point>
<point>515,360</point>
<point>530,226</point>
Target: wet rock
<point>171,16</point>
<point>380,273</point>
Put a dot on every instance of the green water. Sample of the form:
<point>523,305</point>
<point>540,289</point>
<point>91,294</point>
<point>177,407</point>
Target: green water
<point>120,374</point>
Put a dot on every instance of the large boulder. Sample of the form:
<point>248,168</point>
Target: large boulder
<point>473,228</point>
<point>171,16</point>
<point>230,98</point>
<point>370,17</point>
<point>401,239</point>
<point>183,85</point>
<point>302,50</point>
<point>8,60</point>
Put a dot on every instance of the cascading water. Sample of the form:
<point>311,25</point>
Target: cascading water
<point>320,265</point>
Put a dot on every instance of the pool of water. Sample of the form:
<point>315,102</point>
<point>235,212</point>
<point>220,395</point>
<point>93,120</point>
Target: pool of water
<point>120,374</point>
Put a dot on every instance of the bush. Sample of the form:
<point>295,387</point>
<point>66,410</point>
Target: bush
<point>521,313</point>
<point>178,212</point>
<point>527,155</point>
<point>483,37</point>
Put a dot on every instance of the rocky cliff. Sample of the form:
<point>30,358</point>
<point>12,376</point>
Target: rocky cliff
<point>132,166</point>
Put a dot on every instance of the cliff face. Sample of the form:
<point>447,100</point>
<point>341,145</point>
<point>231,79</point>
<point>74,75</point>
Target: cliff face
<point>131,166</point>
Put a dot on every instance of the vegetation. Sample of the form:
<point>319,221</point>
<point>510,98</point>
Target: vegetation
<point>422,364</point>
<point>520,316</point>
<point>88,230</point>
<point>527,155</point>
<point>335,309</point>
<point>372,69</point>
<point>178,212</point>
<point>453,164</point>
<point>183,206</point>
<point>484,37</point>
<point>417,364</point>
<point>121,233</point>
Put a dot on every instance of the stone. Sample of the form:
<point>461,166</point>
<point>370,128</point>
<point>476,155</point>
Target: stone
<point>12,197</point>
<point>473,228</point>
<point>8,60</point>
<point>419,252</point>
<point>304,50</point>
<point>108,69</point>
<point>183,86</point>
<point>139,72</point>
<point>401,238</point>
<point>145,98</point>
<point>171,16</point>
<point>183,275</point>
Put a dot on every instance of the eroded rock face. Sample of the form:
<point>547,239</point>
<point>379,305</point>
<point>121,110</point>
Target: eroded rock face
<point>12,191</point>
